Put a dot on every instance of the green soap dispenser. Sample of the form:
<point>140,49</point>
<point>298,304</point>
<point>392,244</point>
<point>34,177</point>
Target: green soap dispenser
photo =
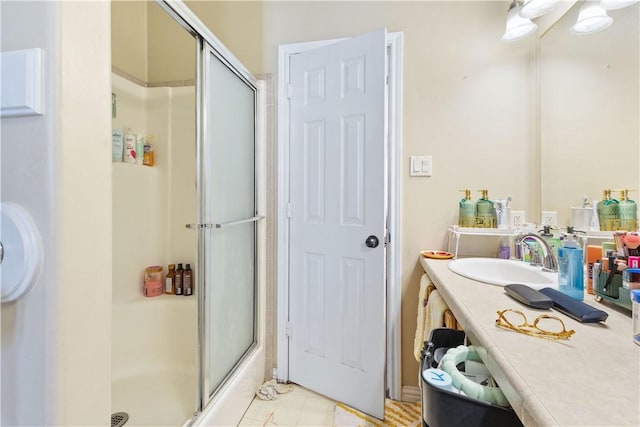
<point>467,215</point>
<point>628,211</point>
<point>608,212</point>
<point>552,241</point>
<point>485,211</point>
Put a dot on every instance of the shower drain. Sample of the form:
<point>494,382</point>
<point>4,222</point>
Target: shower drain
<point>119,419</point>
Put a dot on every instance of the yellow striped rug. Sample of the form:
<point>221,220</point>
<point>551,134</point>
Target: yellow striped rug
<point>396,414</point>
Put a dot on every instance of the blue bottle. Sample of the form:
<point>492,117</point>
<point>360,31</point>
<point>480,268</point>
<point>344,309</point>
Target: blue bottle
<point>571,269</point>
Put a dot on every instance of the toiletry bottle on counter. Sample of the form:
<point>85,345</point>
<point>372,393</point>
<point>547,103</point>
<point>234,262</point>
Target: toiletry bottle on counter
<point>635,314</point>
<point>485,212</point>
<point>467,214</point>
<point>170,280</point>
<point>608,212</point>
<point>129,146</point>
<point>504,249</point>
<point>187,281</point>
<point>571,269</point>
<point>502,215</point>
<point>552,242</point>
<point>628,210</point>
<point>179,279</point>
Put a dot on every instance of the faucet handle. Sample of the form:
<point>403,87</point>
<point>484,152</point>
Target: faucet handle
<point>536,260</point>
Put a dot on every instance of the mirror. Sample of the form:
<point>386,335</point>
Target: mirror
<point>589,112</point>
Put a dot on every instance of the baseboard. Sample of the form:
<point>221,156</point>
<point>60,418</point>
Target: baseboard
<point>410,394</point>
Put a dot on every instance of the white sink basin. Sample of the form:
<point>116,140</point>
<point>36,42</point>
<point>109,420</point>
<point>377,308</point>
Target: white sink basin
<point>502,272</point>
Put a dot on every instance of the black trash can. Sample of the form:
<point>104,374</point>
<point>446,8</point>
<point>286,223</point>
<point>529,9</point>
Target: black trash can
<point>443,408</point>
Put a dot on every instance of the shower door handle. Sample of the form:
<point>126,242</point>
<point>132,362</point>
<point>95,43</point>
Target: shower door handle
<point>224,224</point>
<point>242,221</point>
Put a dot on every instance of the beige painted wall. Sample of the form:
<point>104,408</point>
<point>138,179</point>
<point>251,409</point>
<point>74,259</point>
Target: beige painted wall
<point>468,102</point>
<point>149,45</point>
<point>129,37</point>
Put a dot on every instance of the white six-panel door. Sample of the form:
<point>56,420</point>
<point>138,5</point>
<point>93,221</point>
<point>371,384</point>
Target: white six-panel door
<point>337,194</point>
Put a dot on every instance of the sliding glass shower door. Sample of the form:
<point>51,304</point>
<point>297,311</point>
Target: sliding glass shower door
<point>228,183</point>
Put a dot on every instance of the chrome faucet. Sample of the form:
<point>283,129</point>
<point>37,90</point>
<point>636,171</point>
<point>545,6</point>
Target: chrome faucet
<point>549,262</point>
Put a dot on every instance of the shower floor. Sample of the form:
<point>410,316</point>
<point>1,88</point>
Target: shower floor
<point>155,398</point>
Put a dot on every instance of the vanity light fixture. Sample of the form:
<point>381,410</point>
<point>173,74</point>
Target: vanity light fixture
<point>616,4</point>
<point>534,8</point>
<point>517,27</point>
<point>591,19</point>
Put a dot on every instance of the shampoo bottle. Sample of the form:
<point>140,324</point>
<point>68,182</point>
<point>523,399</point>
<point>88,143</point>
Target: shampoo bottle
<point>179,279</point>
<point>117,145</point>
<point>467,213</point>
<point>628,210</point>
<point>486,213</point>
<point>187,281</point>
<point>170,280</point>
<point>608,212</point>
<point>139,148</point>
<point>129,146</point>
<point>571,269</point>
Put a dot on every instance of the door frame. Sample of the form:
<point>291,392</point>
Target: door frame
<point>393,165</point>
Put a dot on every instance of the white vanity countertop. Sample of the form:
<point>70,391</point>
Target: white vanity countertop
<point>592,379</point>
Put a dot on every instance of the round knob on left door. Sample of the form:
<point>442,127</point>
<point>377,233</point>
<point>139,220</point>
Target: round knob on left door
<point>372,242</point>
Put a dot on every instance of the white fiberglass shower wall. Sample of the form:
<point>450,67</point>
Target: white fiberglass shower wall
<point>176,356</point>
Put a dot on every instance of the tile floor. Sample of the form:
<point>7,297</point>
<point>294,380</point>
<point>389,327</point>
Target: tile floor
<point>300,407</point>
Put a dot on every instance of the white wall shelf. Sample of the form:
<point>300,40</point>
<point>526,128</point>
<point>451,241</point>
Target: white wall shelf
<point>455,233</point>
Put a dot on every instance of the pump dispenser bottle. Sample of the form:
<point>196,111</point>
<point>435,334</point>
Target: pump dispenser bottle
<point>628,210</point>
<point>552,242</point>
<point>467,214</point>
<point>608,212</point>
<point>486,213</point>
<point>571,269</point>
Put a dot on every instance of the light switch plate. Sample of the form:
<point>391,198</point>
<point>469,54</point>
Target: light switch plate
<point>421,166</point>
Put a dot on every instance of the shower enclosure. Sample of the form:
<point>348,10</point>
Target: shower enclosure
<point>178,358</point>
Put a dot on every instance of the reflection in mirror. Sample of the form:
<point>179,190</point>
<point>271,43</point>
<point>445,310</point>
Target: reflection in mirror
<point>153,368</point>
<point>589,112</point>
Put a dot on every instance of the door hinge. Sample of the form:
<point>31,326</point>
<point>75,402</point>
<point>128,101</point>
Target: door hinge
<point>289,90</point>
<point>287,330</point>
<point>289,210</point>
<point>387,238</point>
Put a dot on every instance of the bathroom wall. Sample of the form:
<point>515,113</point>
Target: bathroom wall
<point>57,166</point>
<point>26,168</point>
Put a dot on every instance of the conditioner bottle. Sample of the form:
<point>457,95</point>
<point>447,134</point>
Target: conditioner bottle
<point>179,280</point>
<point>187,281</point>
<point>170,280</point>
